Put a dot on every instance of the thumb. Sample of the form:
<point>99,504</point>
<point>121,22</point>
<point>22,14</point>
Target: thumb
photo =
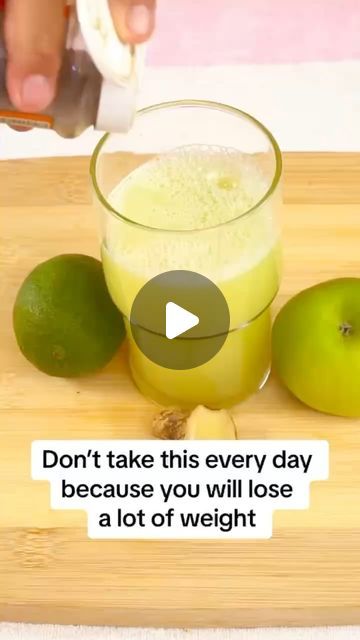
<point>34,35</point>
<point>134,19</point>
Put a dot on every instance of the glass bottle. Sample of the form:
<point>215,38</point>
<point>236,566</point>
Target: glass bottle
<point>84,97</point>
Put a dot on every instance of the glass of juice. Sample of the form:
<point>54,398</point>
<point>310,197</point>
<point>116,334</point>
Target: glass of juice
<point>194,186</point>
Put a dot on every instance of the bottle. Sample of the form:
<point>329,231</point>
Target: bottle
<point>92,89</point>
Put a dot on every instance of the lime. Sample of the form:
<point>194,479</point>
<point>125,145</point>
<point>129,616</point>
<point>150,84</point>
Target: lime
<point>65,322</point>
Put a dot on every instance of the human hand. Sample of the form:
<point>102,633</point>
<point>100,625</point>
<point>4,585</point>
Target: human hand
<point>34,33</point>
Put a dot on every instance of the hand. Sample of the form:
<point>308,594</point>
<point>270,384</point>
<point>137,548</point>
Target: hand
<point>34,38</point>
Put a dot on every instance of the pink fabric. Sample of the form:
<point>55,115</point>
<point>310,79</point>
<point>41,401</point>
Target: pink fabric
<point>208,32</point>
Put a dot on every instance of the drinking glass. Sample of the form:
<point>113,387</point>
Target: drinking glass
<point>195,186</point>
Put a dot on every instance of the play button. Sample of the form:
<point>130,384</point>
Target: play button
<point>179,319</point>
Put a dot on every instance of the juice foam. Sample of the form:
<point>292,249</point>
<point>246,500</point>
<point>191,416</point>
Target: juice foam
<point>193,187</point>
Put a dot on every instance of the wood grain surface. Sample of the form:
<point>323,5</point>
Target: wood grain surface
<point>307,574</point>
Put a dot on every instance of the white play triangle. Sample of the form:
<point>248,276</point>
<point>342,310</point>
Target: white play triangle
<point>178,320</point>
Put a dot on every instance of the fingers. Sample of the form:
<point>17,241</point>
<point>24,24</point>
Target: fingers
<point>34,38</point>
<point>134,19</point>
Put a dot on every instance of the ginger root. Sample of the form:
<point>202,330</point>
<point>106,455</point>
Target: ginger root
<point>201,424</point>
<point>208,424</point>
<point>170,424</point>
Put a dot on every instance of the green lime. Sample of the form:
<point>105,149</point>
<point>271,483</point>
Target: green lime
<point>64,319</point>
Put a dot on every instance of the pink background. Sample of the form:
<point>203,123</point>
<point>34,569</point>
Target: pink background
<point>208,32</point>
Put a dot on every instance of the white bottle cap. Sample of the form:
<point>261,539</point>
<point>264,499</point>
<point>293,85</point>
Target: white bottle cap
<point>117,62</point>
<point>117,107</point>
<point>120,64</point>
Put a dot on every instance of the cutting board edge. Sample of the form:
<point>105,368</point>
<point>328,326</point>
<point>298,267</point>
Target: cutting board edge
<point>184,618</point>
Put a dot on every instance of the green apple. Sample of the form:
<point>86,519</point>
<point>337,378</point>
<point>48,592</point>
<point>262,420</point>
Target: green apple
<point>316,346</point>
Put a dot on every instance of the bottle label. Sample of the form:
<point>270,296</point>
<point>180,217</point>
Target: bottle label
<point>19,119</point>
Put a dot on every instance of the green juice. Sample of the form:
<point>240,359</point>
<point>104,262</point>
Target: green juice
<point>192,209</point>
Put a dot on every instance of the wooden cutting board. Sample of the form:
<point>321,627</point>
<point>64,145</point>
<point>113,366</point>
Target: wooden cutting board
<point>307,574</point>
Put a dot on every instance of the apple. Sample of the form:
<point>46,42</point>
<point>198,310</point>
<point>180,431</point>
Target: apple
<point>316,346</point>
